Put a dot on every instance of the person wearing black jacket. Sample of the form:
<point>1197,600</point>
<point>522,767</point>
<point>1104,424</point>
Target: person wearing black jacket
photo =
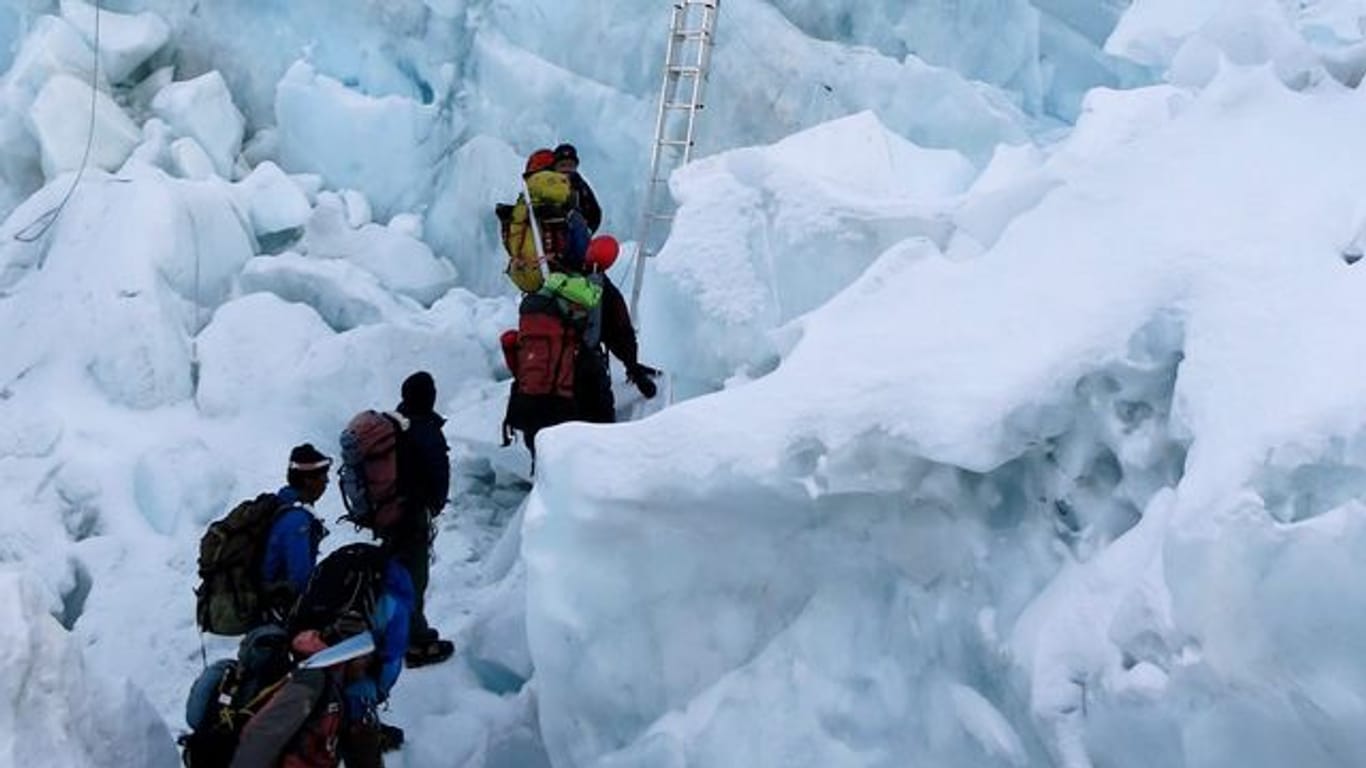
<point>567,162</point>
<point>424,479</point>
<point>609,329</point>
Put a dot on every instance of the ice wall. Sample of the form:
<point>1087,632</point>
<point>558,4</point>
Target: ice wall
<point>54,708</point>
<point>417,88</point>
<point>1056,483</point>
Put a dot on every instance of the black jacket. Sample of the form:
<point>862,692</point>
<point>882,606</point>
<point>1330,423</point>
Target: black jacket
<point>617,331</point>
<point>424,464</point>
<point>592,380</point>
<point>587,201</point>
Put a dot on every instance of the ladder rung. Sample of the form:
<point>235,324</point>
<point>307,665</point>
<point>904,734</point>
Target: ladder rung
<point>693,34</point>
<point>675,143</point>
<point>694,3</point>
<point>682,105</point>
<point>687,69</point>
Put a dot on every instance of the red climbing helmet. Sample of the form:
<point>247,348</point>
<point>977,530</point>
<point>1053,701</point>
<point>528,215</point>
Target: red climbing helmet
<point>602,253</point>
<point>539,160</point>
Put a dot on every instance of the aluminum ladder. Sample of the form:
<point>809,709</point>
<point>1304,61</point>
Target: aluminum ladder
<point>687,59</point>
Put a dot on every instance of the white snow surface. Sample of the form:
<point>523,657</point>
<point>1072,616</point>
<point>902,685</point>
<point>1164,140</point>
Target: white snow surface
<point>56,708</point>
<point>940,487</point>
<point>1001,440</point>
<point>127,41</point>
<point>202,109</point>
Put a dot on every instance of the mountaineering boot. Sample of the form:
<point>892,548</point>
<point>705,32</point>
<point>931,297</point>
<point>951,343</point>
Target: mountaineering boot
<point>390,737</point>
<point>428,651</point>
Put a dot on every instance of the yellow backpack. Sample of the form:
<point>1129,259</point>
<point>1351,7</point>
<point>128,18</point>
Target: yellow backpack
<point>551,194</point>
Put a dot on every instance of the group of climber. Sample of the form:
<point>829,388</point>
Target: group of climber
<point>324,641</point>
<point>571,314</point>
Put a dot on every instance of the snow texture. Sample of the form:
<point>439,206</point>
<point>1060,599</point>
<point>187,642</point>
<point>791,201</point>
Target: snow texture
<point>1011,418</point>
<point>126,41</point>
<point>202,109</point>
<point>63,140</point>
<point>54,708</point>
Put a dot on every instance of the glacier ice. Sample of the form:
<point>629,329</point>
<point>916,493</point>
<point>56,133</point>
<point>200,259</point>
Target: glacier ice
<point>55,708</point>
<point>402,263</point>
<point>258,332</point>
<point>345,295</point>
<point>1046,504</point>
<point>190,160</point>
<point>202,109</point>
<point>1035,447</point>
<point>728,274</point>
<point>387,147</point>
<point>26,432</point>
<point>481,174</point>
<point>126,41</point>
<point>273,200</point>
<point>128,314</point>
<point>63,139</point>
<point>181,482</point>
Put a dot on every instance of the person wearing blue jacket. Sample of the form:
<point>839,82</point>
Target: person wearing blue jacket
<point>357,589</point>
<point>376,598</point>
<point>365,735</point>
<point>294,539</point>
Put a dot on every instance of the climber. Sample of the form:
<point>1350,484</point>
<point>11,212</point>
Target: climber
<point>545,207</point>
<point>292,545</point>
<point>608,328</point>
<point>300,724</point>
<point>424,475</point>
<point>542,352</point>
<point>567,162</point>
<point>359,588</point>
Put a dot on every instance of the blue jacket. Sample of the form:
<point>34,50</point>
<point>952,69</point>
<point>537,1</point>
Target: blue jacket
<point>392,612</point>
<point>390,627</point>
<point>292,548</point>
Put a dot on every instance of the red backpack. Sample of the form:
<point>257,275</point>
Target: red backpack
<point>546,349</point>
<point>369,471</point>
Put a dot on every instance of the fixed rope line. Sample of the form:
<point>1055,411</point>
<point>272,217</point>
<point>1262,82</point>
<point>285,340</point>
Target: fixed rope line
<point>40,226</point>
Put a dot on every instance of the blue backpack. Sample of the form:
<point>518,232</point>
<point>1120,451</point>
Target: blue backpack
<point>229,692</point>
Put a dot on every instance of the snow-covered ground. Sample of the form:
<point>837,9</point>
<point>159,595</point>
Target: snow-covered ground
<point>1019,402</point>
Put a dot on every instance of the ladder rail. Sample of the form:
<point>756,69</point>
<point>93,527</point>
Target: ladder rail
<point>678,66</point>
<point>652,190</point>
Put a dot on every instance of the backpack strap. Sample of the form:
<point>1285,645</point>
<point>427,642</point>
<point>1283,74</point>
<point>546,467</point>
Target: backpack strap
<point>400,422</point>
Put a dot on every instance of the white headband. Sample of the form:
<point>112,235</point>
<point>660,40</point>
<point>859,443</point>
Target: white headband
<point>317,465</point>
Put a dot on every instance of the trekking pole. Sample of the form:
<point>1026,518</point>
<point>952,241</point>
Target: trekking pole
<point>535,232</point>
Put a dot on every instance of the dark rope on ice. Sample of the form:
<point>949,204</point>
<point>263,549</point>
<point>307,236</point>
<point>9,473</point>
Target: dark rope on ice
<point>44,223</point>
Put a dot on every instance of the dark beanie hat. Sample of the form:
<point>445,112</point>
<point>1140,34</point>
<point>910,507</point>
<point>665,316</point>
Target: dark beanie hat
<point>566,152</point>
<point>306,458</point>
<point>419,393</point>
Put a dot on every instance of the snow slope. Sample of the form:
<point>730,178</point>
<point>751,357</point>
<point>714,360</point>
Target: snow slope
<point>1005,442</point>
<point>1055,503</point>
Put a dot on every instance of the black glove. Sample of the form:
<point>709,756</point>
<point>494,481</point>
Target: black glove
<point>643,377</point>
